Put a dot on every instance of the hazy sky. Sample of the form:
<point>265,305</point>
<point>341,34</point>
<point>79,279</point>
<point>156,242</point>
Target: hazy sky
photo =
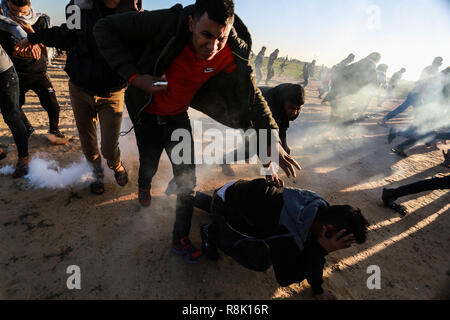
<point>408,33</point>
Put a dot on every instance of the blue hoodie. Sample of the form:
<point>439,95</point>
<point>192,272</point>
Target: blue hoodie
<point>299,211</point>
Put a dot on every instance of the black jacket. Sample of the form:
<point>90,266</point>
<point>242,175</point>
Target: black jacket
<point>85,66</point>
<point>24,62</point>
<point>275,99</point>
<point>254,208</point>
<point>148,42</point>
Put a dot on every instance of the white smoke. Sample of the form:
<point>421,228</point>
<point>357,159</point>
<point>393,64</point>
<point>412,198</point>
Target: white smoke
<point>7,170</point>
<point>46,173</point>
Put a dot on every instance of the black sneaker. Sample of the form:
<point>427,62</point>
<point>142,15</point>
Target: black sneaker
<point>388,200</point>
<point>56,133</point>
<point>98,187</point>
<point>208,249</point>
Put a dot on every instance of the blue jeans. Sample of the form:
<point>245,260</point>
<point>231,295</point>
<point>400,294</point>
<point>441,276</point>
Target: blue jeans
<point>411,100</point>
<point>9,105</point>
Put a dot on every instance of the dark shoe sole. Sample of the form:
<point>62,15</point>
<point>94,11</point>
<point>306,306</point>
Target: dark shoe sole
<point>97,188</point>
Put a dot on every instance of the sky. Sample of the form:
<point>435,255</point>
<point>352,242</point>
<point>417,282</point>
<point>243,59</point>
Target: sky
<point>407,33</point>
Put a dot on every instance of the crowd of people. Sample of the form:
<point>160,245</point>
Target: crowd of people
<point>198,56</point>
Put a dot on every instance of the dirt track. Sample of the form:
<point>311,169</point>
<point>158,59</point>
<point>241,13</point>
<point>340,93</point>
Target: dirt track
<point>124,251</point>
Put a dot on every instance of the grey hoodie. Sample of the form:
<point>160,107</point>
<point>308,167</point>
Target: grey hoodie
<point>299,211</point>
<point>16,33</point>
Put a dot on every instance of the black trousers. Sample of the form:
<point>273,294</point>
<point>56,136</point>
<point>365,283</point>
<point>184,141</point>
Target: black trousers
<point>153,135</point>
<point>422,186</point>
<point>42,86</point>
<point>253,255</point>
<point>9,105</point>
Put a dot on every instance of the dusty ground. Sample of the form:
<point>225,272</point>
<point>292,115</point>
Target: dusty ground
<point>124,251</point>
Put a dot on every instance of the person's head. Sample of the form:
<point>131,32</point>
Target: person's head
<point>382,67</point>
<point>437,62</point>
<point>293,98</point>
<point>337,218</point>
<point>350,58</point>
<point>210,25</point>
<point>277,51</point>
<point>313,62</point>
<point>375,57</point>
<point>263,49</point>
<point>111,4</point>
<point>402,70</point>
<point>19,8</point>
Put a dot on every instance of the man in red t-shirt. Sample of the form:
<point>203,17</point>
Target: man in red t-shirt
<point>204,64</point>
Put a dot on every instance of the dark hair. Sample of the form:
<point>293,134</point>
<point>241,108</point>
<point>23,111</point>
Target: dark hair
<point>20,3</point>
<point>345,217</point>
<point>220,11</point>
<point>294,93</point>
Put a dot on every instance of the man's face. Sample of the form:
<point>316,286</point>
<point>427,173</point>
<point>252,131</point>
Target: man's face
<point>19,11</point>
<point>208,36</point>
<point>292,111</point>
<point>111,4</point>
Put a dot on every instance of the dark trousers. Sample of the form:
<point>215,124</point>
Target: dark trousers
<point>422,186</point>
<point>411,100</point>
<point>253,255</point>
<point>414,137</point>
<point>9,104</point>
<point>41,85</point>
<point>153,135</point>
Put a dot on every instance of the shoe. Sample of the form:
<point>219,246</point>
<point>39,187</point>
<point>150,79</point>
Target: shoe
<point>209,249</point>
<point>30,131</point>
<point>98,187</point>
<point>388,200</point>
<point>3,153</point>
<point>172,188</point>
<point>184,247</point>
<point>145,197</point>
<point>228,170</point>
<point>56,133</point>
<point>22,167</point>
<point>392,135</point>
<point>400,152</point>
<point>121,176</point>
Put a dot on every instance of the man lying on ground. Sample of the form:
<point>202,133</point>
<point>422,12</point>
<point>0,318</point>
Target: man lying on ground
<point>259,225</point>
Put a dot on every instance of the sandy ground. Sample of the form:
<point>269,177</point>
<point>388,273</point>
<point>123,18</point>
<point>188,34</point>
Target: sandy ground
<point>124,251</point>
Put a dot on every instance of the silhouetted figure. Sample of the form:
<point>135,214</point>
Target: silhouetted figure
<point>259,61</point>
<point>270,70</point>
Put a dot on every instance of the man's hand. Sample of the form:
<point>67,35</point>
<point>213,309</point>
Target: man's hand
<point>36,51</point>
<point>146,83</point>
<point>287,163</point>
<point>275,180</point>
<point>336,242</point>
<point>286,148</point>
<point>326,295</point>
<point>22,45</point>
